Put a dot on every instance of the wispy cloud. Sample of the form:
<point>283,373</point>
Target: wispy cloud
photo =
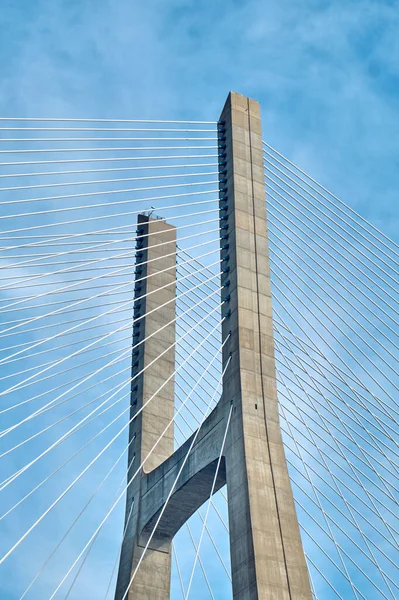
<point>327,75</point>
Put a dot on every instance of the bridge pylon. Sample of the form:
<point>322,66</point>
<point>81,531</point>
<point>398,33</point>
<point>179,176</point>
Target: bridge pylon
<point>267,558</point>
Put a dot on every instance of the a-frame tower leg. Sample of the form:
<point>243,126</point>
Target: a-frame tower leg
<point>267,557</point>
<point>155,293</point>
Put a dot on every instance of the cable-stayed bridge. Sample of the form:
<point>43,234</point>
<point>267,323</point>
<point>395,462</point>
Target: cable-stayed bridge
<point>135,308</point>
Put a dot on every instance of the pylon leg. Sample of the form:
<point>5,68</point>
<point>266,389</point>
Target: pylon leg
<point>267,558</point>
<point>155,291</point>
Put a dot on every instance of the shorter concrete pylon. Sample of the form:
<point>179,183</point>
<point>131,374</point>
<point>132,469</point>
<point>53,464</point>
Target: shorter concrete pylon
<point>155,292</point>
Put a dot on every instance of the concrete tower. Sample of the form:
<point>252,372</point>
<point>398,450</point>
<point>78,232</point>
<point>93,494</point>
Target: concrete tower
<point>267,557</point>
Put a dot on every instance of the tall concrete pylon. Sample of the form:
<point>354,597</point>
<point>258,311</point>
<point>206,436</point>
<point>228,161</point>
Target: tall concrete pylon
<point>267,558</point>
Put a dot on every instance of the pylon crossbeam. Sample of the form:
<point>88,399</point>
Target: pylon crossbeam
<point>194,483</point>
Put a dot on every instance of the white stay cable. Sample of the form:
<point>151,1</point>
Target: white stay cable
<point>92,262</point>
<point>193,371</point>
<point>227,571</point>
<point>79,425</point>
<point>26,381</point>
<point>349,556</point>
<point>117,310</point>
<point>99,181</point>
<point>373,540</point>
<point>346,206</point>
<point>330,407</point>
<point>313,289</point>
<point>30,529</point>
<point>54,404</point>
<point>173,550</point>
<point>105,159</point>
<point>312,586</point>
<point>39,342</point>
<point>173,488</point>
<point>120,358</point>
<point>177,569</point>
<point>110,170</point>
<point>117,203</point>
<point>95,149</point>
<point>119,303</point>
<point>337,545</point>
<point>318,501</point>
<point>114,291</point>
<point>196,405</point>
<point>306,265</point>
<point>79,302</point>
<point>123,292</point>
<point>83,423</point>
<point>339,342</point>
<point>50,556</point>
<point>354,415</point>
<point>100,246</point>
<point>213,506</point>
<point>323,245</point>
<point>353,466</point>
<point>94,539</point>
<point>390,528</point>
<point>209,502</point>
<point>82,120</point>
<point>120,549</point>
<point>191,429</point>
<point>180,317</point>
<point>55,239</point>
<point>325,553</point>
<point>51,403</point>
<point>320,416</point>
<point>212,539</point>
<point>76,410</point>
<point>345,242</point>
<point>319,505</point>
<point>209,406</point>
<point>9,480</point>
<point>101,193</point>
<point>316,205</point>
<point>105,130</point>
<point>54,503</point>
<point>361,400</point>
<point>127,486</point>
<point>200,562</point>
<point>324,370</point>
<point>353,523</point>
<point>108,216</point>
<point>323,575</point>
<point>334,392</point>
<point>119,272</point>
<point>108,139</point>
<point>209,533</point>
<point>118,388</point>
<point>323,550</point>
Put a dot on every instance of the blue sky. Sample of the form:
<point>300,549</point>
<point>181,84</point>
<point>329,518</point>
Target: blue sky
<point>326,74</point>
